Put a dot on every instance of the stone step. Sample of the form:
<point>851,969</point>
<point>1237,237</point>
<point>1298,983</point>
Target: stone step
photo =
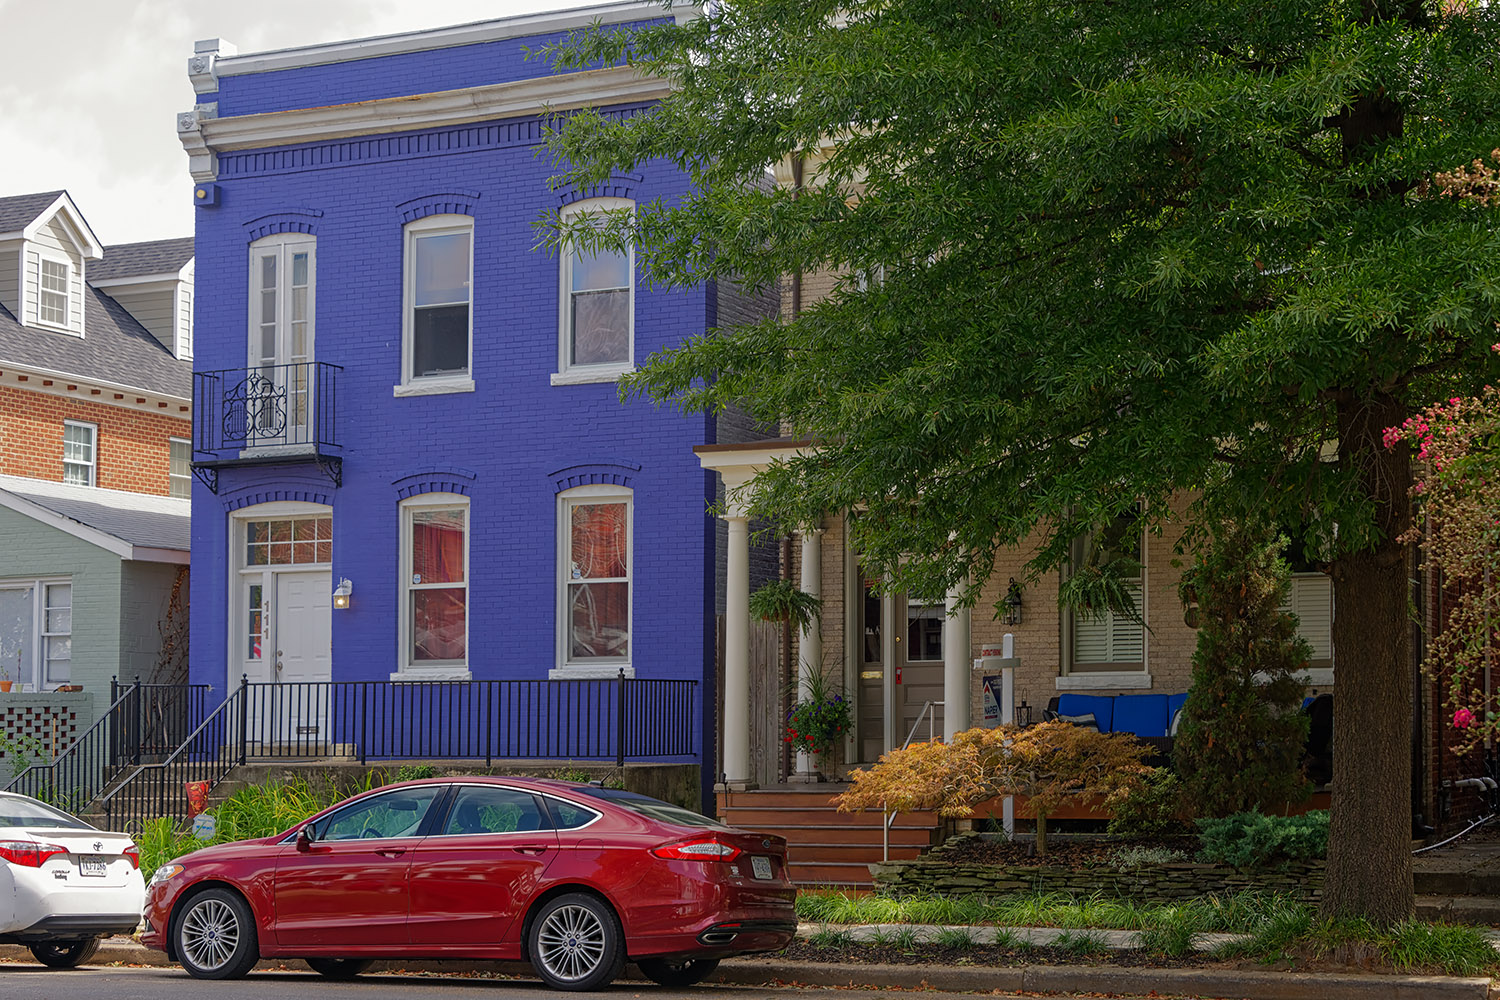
<point>1483,910</point>
<point>1464,882</point>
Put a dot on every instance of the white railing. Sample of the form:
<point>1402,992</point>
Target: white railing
<point>929,712</point>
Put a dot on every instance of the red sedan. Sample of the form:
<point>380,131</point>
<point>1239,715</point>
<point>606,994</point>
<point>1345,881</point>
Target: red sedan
<point>574,878</point>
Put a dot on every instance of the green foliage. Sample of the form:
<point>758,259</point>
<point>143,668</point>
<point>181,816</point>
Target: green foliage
<point>1151,811</point>
<point>1240,743</point>
<point>22,752</point>
<point>1409,946</point>
<point>784,601</point>
<point>832,938</point>
<point>1130,858</point>
<point>1081,944</point>
<point>955,938</point>
<point>1253,840</point>
<point>415,772</point>
<point>820,717</point>
<point>1171,935</point>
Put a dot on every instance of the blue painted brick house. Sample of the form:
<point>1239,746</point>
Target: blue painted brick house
<point>414,462</point>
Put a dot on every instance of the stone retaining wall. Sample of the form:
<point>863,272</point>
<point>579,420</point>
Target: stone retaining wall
<point>935,874</point>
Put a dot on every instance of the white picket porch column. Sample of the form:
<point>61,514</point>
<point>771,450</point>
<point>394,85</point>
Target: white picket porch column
<point>956,668</point>
<point>810,638</point>
<point>737,655</point>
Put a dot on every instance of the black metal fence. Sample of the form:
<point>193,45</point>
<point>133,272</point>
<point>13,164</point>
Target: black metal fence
<point>265,406</point>
<point>143,722</point>
<point>615,719</point>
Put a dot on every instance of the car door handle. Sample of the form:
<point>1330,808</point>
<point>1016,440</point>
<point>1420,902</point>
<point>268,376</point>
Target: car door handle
<point>529,850</point>
<point>390,852</point>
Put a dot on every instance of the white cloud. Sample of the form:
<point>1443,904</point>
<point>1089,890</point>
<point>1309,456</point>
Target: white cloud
<point>89,89</point>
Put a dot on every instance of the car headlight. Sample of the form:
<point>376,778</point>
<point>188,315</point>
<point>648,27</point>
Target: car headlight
<point>165,872</point>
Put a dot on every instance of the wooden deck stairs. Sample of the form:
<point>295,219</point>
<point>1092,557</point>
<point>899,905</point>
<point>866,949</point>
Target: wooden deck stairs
<point>825,846</point>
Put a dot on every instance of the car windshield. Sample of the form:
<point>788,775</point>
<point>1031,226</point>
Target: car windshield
<point>17,810</point>
<point>664,812</point>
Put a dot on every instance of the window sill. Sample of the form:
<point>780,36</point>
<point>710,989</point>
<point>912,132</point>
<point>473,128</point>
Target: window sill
<point>1120,680</point>
<point>433,674</point>
<point>586,376</point>
<point>433,387</point>
<point>603,672</point>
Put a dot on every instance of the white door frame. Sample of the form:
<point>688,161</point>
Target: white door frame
<point>242,577</point>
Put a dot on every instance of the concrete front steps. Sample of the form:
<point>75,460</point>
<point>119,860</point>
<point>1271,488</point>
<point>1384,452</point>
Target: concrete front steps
<point>825,846</point>
<point>1459,883</point>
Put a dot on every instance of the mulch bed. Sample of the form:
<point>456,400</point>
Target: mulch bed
<point>1074,854</point>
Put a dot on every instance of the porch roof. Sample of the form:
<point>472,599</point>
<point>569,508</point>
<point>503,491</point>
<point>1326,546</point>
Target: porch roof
<point>131,525</point>
<point>739,463</point>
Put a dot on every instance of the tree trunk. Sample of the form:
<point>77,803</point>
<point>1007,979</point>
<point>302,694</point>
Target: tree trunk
<point>1369,841</point>
<point>1041,834</point>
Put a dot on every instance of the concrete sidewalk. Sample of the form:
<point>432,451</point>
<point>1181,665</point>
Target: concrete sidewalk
<point>764,970</point>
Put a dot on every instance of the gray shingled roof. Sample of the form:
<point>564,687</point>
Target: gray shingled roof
<point>140,519</point>
<point>131,260</point>
<point>19,211</point>
<point>114,349</point>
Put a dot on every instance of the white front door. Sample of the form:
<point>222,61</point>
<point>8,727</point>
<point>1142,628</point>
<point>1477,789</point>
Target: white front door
<point>302,626</point>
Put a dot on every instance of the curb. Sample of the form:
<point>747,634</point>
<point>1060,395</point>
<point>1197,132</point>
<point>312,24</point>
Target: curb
<point>1102,979</point>
<point>1241,985</point>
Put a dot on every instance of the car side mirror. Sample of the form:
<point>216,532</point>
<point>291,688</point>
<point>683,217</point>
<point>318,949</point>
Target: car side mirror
<point>305,838</point>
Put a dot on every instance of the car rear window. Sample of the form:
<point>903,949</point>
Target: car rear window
<point>17,811</point>
<point>662,812</point>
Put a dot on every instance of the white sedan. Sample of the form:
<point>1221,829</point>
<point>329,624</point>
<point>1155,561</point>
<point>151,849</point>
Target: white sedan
<point>63,883</point>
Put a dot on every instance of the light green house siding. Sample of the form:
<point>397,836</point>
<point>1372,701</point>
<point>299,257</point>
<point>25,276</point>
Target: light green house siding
<point>117,604</point>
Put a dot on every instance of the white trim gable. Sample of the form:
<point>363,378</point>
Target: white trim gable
<point>103,539</point>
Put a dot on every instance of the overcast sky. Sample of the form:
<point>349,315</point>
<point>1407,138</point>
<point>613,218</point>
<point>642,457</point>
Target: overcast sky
<point>89,89</point>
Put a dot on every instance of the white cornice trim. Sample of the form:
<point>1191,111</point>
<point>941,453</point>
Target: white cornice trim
<point>10,369</point>
<point>163,280</point>
<point>565,91</point>
<point>473,33</point>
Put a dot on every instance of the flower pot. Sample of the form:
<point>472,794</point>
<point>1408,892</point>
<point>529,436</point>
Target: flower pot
<point>5,685</point>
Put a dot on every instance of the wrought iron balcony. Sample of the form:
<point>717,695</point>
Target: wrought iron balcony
<point>266,415</point>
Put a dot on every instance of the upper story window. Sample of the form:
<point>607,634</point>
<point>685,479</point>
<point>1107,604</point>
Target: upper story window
<point>80,452</point>
<point>595,577</point>
<point>1101,639</point>
<point>597,310</point>
<point>437,324</point>
<point>52,300</point>
<point>180,468</point>
<point>435,582</point>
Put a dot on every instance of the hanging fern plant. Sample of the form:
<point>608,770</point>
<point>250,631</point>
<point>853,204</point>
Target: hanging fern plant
<point>782,601</point>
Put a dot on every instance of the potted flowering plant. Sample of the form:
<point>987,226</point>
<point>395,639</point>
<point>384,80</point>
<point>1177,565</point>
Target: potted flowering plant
<point>818,721</point>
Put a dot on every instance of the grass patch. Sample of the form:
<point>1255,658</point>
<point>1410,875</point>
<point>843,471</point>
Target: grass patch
<point>904,939</point>
<point>956,939</point>
<point>835,938</point>
<point>1412,946</point>
<point>1080,944</point>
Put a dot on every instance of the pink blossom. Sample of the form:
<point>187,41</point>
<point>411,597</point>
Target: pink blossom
<point>1463,718</point>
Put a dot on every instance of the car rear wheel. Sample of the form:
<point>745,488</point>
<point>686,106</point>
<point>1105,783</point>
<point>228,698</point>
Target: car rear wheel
<point>575,943</point>
<point>339,968</point>
<point>215,936</point>
<point>65,954</point>
<point>678,972</point>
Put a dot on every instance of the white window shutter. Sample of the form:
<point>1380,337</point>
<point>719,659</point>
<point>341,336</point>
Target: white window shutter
<point>1107,637</point>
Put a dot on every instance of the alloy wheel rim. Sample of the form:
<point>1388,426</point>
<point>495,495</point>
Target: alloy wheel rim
<point>570,942</point>
<point>210,934</point>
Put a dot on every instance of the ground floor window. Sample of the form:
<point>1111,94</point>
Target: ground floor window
<point>595,561</point>
<point>1100,639</point>
<point>435,580</point>
<point>36,633</point>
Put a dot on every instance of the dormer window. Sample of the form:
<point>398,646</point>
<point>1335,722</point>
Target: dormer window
<point>52,303</point>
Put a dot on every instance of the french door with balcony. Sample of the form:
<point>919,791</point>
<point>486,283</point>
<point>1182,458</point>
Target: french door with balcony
<point>279,400</point>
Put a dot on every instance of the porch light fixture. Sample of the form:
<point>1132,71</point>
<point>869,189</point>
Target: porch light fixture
<point>341,594</point>
<point>1013,603</point>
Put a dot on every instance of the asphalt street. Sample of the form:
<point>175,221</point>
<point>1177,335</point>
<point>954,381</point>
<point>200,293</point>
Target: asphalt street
<point>30,982</point>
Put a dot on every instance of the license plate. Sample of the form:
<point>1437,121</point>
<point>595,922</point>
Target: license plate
<point>95,867</point>
<point>760,867</point>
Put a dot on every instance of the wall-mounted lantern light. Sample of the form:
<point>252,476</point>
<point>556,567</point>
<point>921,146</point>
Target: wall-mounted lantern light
<point>341,594</point>
<point>1013,603</point>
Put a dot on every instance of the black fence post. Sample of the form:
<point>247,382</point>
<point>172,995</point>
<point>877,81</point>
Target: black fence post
<point>243,695</point>
<point>620,719</point>
<point>140,723</point>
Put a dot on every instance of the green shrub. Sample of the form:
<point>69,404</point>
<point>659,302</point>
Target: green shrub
<point>1152,811</point>
<point>1130,858</point>
<point>415,772</point>
<point>1253,840</point>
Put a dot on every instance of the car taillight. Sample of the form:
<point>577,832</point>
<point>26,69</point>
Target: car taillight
<point>698,849</point>
<point>27,854</point>
<point>134,854</point>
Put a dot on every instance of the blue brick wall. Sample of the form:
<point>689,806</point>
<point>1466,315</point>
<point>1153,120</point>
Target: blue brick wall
<point>509,445</point>
<point>404,75</point>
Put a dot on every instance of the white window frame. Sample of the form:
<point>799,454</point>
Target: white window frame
<point>406,669</point>
<point>594,667</point>
<point>1321,669</point>
<point>568,373</point>
<point>186,478</point>
<point>424,385</point>
<point>1123,674</point>
<point>41,678</point>
<point>42,292</point>
<point>92,465</point>
<point>285,246</point>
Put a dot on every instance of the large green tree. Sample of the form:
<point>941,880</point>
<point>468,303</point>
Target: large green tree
<point>1092,253</point>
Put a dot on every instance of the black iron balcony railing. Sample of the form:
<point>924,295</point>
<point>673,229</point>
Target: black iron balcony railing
<point>265,415</point>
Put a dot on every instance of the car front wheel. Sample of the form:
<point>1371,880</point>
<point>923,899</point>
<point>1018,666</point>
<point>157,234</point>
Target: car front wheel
<point>65,954</point>
<point>678,973</point>
<point>575,943</point>
<point>215,936</point>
